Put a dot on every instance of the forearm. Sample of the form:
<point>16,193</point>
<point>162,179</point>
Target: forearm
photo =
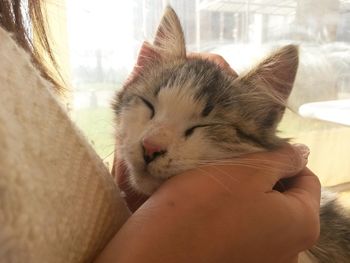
<point>168,228</point>
<point>183,224</point>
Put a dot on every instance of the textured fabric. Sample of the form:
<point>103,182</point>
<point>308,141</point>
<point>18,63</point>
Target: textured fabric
<point>58,202</point>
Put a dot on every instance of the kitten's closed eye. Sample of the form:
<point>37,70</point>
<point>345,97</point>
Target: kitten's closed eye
<point>149,105</point>
<point>190,131</point>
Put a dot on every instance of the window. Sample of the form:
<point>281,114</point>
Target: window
<point>104,37</point>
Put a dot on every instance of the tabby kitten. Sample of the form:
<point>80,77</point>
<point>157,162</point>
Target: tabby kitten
<point>175,113</point>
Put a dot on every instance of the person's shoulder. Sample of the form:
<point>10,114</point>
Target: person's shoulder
<point>12,56</point>
<point>49,172</point>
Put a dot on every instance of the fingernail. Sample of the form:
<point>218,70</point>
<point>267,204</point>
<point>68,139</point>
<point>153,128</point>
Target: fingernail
<point>302,149</point>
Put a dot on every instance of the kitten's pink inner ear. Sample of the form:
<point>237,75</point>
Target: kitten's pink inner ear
<point>147,55</point>
<point>283,68</point>
<point>277,72</point>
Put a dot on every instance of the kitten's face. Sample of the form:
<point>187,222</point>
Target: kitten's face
<point>177,113</point>
<point>183,115</point>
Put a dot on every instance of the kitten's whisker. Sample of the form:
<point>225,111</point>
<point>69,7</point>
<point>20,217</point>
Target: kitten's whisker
<point>272,166</point>
<point>259,162</point>
<point>214,179</point>
<point>225,173</point>
<point>108,155</point>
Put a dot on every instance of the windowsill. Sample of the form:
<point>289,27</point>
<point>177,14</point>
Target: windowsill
<point>337,111</point>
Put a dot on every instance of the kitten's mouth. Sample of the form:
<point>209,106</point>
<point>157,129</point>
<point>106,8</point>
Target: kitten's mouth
<point>146,177</point>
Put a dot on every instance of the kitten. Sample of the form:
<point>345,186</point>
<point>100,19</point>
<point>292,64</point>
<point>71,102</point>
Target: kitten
<point>175,113</point>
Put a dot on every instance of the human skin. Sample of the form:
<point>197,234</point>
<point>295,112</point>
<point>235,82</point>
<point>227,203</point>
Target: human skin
<point>223,213</point>
<point>226,213</point>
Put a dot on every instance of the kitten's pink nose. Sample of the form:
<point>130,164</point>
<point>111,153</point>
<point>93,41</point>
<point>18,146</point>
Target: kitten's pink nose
<point>151,150</point>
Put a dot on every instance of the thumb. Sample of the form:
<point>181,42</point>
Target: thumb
<point>279,164</point>
<point>263,170</point>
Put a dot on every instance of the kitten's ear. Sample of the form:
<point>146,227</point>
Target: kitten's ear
<point>147,55</point>
<point>268,87</point>
<point>276,74</point>
<point>169,39</point>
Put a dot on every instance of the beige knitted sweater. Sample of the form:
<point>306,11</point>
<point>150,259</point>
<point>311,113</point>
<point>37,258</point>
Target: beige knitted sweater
<point>58,202</point>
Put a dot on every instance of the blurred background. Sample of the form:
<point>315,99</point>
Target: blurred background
<point>98,41</point>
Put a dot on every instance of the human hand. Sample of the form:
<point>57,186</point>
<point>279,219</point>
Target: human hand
<point>227,213</point>
<point>132,198</point>
<point>214,220</point>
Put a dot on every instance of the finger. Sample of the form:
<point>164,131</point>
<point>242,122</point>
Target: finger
<point>304,194</point>
<point>217,59</point>
<point>273,166</point>
<point>261,171</point>
<point>133,199</point>
<point>305,181</point>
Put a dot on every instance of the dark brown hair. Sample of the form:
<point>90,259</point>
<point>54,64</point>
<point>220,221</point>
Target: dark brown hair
<point>25,19</point>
